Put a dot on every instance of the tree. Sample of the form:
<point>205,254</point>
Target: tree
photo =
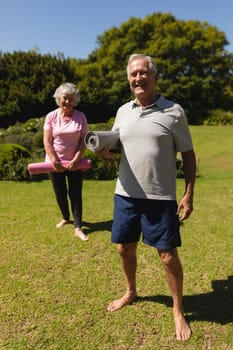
<point>27,83</point>
<point>195,69</point>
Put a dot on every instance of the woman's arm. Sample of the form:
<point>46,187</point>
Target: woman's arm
<point>48,145</point>
<point>78,155</point>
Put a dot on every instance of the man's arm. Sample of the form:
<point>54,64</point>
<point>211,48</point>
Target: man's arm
<point>185,206</point>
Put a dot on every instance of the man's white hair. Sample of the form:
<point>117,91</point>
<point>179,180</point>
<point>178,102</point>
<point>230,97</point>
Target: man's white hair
<point>135,56</point>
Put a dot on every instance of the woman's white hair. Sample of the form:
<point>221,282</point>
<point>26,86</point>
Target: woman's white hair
<point>67,89</point>
<point>136,56</point>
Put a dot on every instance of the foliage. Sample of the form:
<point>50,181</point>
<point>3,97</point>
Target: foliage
<point>101,169</point>
<point>28,81</point>
<point>12,152</point>
<point>28,134</point>
<point>219,117</point>
<point>33,125</point>
<point>13,160</point>
<point>15,170</point>
<point>100,127</point>
<point>195,69</point>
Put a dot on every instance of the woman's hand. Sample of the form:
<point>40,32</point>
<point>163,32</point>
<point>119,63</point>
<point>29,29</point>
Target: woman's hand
<point>58,167</point>
<point>72,165</point>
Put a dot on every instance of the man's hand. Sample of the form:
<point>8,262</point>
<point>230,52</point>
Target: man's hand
<point>185,207</point>
<point>105,153</point>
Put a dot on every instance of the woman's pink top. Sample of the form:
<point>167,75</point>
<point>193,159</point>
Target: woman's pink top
<point>67,134</point>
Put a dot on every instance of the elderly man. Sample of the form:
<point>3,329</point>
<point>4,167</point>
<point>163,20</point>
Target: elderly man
<point>152,130</point>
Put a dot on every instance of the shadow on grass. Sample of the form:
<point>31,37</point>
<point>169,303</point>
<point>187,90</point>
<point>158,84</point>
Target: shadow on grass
<point>97,226</point>
<point>215,306</point>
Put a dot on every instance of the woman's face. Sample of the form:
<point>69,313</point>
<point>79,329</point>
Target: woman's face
<point>67,102</point>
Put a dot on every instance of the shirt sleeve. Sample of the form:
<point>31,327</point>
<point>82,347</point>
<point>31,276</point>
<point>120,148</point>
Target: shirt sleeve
<point>48,121</point>
<point>181,133</point>
<point>84,124</point>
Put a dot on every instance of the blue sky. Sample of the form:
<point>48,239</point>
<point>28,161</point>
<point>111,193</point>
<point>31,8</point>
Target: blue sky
<point>72,26</point>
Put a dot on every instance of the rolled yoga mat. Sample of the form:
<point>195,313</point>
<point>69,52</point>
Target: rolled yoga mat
<point>96,140</point>
<point>47,167</point>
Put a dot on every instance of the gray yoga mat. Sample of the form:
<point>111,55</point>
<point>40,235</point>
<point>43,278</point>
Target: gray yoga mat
<point>96,140</point>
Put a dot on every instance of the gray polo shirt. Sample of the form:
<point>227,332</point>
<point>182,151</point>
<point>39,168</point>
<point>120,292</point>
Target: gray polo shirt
<point>150,139</point>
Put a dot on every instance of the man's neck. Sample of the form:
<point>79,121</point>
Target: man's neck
<point>144,102</point>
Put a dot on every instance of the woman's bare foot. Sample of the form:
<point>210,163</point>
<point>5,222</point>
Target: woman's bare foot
<point>63,222</point>
<point>78,232</point>
<point>183,331</point>
<point>127,299</point>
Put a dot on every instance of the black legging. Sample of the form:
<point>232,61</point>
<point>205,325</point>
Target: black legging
<point>74,189</point>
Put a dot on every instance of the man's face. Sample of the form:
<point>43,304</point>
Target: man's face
<point>142,81</point>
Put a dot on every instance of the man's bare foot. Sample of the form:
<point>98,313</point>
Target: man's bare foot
<point>63,222</point>
<point>78,232</point>
<point>183,331</point>
<point>119,303</point>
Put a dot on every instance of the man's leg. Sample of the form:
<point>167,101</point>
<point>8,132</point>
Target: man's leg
<point>128,258</point>
<point>174,276</point>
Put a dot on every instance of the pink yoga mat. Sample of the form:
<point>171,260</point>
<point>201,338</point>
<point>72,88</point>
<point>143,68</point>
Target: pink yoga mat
<point>46,167</point>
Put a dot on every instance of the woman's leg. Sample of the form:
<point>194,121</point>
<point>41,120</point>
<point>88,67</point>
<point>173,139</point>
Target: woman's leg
<point>75,194</point>
<point>75,182</point>
<point>60,190</point>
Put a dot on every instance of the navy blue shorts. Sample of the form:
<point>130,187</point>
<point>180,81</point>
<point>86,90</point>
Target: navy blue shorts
<point>156,220</point>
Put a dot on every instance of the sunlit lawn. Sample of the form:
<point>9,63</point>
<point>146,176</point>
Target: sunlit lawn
<point>55,288</point>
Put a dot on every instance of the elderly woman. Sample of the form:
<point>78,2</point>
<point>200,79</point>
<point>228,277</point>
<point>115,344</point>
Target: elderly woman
<point>64,131</point>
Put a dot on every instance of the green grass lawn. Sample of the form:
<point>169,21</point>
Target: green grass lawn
<point>55,288</point>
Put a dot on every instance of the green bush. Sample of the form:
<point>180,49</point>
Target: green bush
<point>17,135</point>
<point>28,148</point>
<point>28,135</point>
<point>34,125</point>
<point>12,152</point>
<point>219,117</point>
<point>16,170</point>
<point>101,169</point>
<point>38,141</point>
<point>13,158</point>
<point>100,127</point>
